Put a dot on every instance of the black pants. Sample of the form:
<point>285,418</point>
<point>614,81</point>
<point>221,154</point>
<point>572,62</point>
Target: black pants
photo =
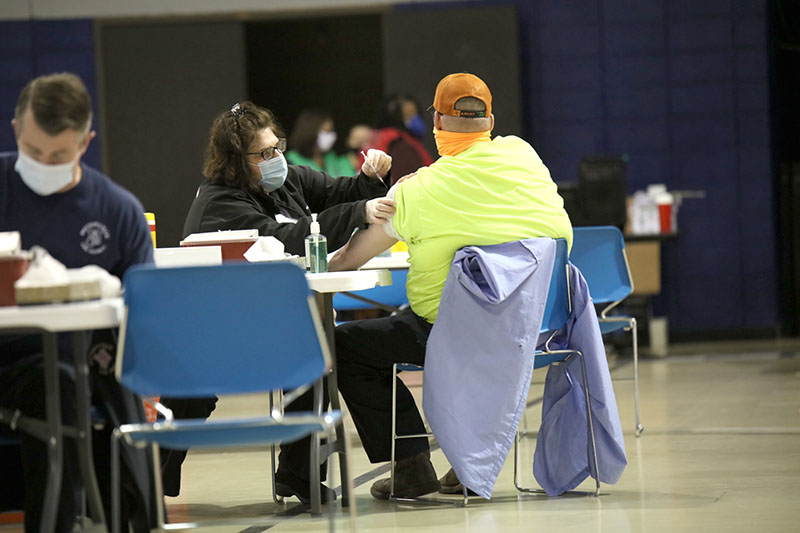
<point>22,387</point>
<point>365,353</point>
<point>293,459</point>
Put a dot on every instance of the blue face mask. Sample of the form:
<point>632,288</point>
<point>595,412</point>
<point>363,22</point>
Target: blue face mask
<point>416,126</point>
<point>273,173</point>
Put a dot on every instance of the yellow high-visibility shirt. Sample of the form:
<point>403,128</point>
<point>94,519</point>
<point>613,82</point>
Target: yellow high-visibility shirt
<point>491,193</point>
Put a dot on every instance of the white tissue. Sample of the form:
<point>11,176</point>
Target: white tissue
<point>91,282</point>
<point>43,271</point>
<point>10,243</point>
<point>265,249</point>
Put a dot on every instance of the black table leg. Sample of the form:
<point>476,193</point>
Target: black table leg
<point>54,439</point>
<point>83,421</point>
<point>333,392</point>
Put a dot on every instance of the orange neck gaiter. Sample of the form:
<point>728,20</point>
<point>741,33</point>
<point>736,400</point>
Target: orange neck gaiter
<point>453,143</point>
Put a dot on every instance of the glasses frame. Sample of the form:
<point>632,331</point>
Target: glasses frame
<point>279,148</point>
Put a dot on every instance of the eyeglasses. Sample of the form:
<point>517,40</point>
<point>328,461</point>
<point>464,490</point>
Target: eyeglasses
<point>268,153</point>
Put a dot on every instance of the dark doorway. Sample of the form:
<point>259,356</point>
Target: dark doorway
<point>785,31</point>
<point>332,64</point>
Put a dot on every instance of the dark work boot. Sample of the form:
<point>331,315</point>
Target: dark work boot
<point>414,476</point>
<point>287,485</point>
<point>451,485</point>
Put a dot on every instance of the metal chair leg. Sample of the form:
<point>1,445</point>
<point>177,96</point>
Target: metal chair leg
<point>590,428</point>
<point>275,497</point>
<point>639,427</point>
<point>395,437</point>
<point>394,431</point>
<point>316,496</point>
<point>590,423</point>
<point>161,510</point>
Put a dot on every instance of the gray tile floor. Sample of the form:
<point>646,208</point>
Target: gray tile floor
<point>720,451</point>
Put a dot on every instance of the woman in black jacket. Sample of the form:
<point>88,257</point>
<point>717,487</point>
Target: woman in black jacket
<point>249,185</point>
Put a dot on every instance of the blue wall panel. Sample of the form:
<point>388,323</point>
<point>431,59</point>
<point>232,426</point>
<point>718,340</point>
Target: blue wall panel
<point>694,8</point>
<point>642,37</point>
<point>636,102</point>
<point>684,92</point>
<point>32,48</point>
<point>635,70</point>
<point>716,99</point>
<point>563,41</point>
<point>714,34</point>
<point>631,10</point>
<point>701,67</point>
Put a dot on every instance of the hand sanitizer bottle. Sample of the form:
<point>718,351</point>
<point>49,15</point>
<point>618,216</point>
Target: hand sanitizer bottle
<point>316,248</point>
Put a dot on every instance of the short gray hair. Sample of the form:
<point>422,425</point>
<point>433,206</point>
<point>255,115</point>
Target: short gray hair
<point>465,124</point>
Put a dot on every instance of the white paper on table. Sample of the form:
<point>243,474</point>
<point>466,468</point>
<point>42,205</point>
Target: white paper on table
<point>265,249</point>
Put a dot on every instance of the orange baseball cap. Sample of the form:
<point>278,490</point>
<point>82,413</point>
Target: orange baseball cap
<point>460,85</point>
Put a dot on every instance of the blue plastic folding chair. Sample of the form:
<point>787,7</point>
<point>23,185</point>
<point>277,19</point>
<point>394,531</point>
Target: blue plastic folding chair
<point>227,329</point>
<point>557,311</point>
<point>389,298</point>
<point>599,253</point>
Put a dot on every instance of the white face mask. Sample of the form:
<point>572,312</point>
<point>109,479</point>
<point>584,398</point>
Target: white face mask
<point>325,140</point>
<point>43,179</point>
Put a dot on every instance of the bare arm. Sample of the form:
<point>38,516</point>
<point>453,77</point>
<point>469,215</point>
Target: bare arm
<point>361,247</point>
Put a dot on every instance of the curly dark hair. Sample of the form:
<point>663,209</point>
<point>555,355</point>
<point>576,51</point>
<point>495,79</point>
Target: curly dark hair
<point>303,138</point>
<point>232,133</point>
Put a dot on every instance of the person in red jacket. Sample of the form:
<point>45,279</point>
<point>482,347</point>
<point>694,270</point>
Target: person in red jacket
<point>399,128</point>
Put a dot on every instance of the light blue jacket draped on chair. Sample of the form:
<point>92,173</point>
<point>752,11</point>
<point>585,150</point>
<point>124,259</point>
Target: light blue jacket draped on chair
<point>560,460</point>
<point>480,354</point>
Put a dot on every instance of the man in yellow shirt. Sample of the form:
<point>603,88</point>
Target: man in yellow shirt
<point>482,191</point>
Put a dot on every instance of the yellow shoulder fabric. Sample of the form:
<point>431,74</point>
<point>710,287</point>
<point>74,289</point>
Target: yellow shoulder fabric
<point>492,193</point>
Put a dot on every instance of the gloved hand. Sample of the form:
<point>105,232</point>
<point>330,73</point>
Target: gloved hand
<point>379,210</point>
<point>376,163</point>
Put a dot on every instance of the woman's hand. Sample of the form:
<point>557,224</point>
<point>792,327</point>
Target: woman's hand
<point>379,210</point>
<point>376,164</point>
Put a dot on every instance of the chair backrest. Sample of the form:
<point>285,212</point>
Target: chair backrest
<point>599,253</point>
<point>558,306</point>
<point>232,328</point>
<point>392,295</point>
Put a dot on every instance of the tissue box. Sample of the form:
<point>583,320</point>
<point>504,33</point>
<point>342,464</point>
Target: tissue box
<point>11,269</point>
<point>233,243</point>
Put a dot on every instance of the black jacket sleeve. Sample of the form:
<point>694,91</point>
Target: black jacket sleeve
<point>226,208</point>
<point>340,204</point>
<point>322,191</point>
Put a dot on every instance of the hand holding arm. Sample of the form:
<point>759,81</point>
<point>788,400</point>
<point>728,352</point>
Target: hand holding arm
<point>379,210</point>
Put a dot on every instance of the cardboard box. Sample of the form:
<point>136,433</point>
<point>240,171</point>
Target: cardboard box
<point>644,259</point>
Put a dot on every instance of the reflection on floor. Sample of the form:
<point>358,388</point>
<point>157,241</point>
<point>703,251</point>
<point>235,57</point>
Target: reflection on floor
<point>720,451</point>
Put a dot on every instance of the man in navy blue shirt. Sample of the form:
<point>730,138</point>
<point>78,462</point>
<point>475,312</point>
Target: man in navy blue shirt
<point>81,218</point>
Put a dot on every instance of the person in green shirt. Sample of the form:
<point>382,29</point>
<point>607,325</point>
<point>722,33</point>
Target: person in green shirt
<point>311,144</point>
<point>481,191</point>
